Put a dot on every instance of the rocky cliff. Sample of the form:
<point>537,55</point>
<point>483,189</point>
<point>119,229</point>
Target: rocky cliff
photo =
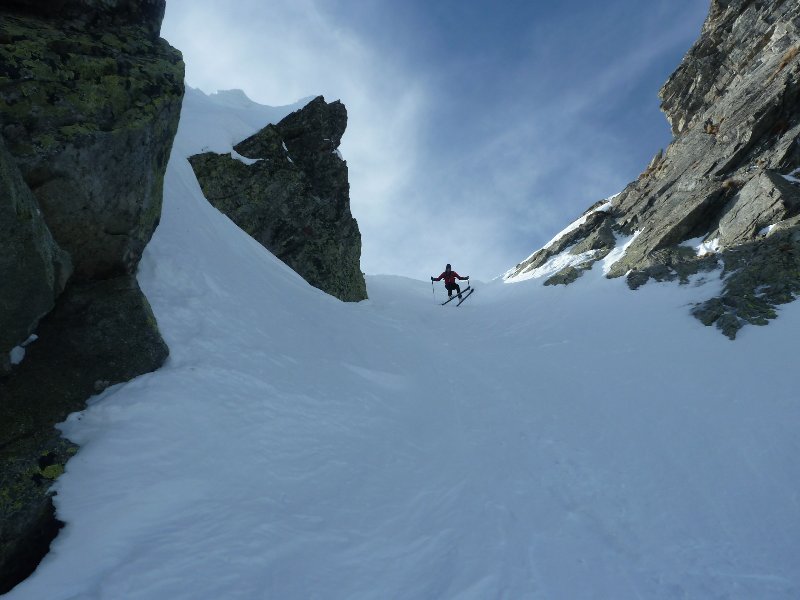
<point>89,105</point>
<point>724,195</point>
<point>287,187</point>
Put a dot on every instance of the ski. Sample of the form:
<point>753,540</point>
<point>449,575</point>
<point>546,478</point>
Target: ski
<point>451,298</point>
<point>465,296</point>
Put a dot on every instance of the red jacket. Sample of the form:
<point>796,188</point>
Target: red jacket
<point>449,279</point>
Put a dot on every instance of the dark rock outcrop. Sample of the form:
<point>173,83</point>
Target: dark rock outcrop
<point>734,107</point>
<point>33,267</point>
<point>89,116</point>
<point>95,14</point>
<point>89,105</point>
<point>293,196</point>
<point>80,352</point>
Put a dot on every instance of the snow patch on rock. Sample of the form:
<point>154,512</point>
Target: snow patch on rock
<point>623,242</point>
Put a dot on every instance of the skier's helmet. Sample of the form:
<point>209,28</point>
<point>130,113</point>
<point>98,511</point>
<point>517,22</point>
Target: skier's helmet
<point>447,268</point>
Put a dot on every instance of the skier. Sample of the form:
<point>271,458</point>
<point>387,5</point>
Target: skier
<point>450,277</point>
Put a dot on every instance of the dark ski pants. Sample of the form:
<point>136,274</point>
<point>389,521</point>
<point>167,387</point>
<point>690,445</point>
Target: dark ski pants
<point>453,286</point>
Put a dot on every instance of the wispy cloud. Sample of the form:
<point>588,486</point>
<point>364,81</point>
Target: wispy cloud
<point>556,141</point>
<point>278,52</point>
<point>468,160</point>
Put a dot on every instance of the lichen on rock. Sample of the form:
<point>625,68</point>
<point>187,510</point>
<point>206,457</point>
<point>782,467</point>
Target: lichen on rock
<point>89,105</point>
<point>102,330</point>
<point>89,115</point>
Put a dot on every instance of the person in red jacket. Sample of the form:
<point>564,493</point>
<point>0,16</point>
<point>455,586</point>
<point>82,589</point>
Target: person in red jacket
<point>450,277</point>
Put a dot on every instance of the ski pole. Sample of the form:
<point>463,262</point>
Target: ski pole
<point>433,289</point>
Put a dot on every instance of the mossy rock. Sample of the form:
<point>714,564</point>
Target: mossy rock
<point>89,116</point>
<point>98,332</point>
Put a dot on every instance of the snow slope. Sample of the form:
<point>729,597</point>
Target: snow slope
<point>543,443</point>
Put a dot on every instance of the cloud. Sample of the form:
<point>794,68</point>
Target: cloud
<point>559,138</point>
<point>278,52</point>
<point>472,158</point>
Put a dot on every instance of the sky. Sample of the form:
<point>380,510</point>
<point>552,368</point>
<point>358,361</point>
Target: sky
<point>476,129</point>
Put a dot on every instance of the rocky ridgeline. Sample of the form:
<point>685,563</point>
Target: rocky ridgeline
<point>89,104</point>
<point>288,189</point>
<point>725,195</point>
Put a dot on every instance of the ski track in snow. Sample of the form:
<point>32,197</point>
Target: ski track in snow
<point>580,442</point>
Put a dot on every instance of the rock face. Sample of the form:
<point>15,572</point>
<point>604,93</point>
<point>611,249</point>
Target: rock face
<point>33,266</point>
<point>99,334</point>
<point>725,183</point>
<point>89,114</point>
<point>94,14</point>
<point>89,105</point>
<point>291,194</point>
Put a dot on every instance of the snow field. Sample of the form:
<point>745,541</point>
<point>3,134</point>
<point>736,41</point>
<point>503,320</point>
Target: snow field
<point>543,443</point>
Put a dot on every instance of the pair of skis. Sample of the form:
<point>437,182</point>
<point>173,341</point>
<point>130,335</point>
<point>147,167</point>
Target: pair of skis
<point>465,293</point>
